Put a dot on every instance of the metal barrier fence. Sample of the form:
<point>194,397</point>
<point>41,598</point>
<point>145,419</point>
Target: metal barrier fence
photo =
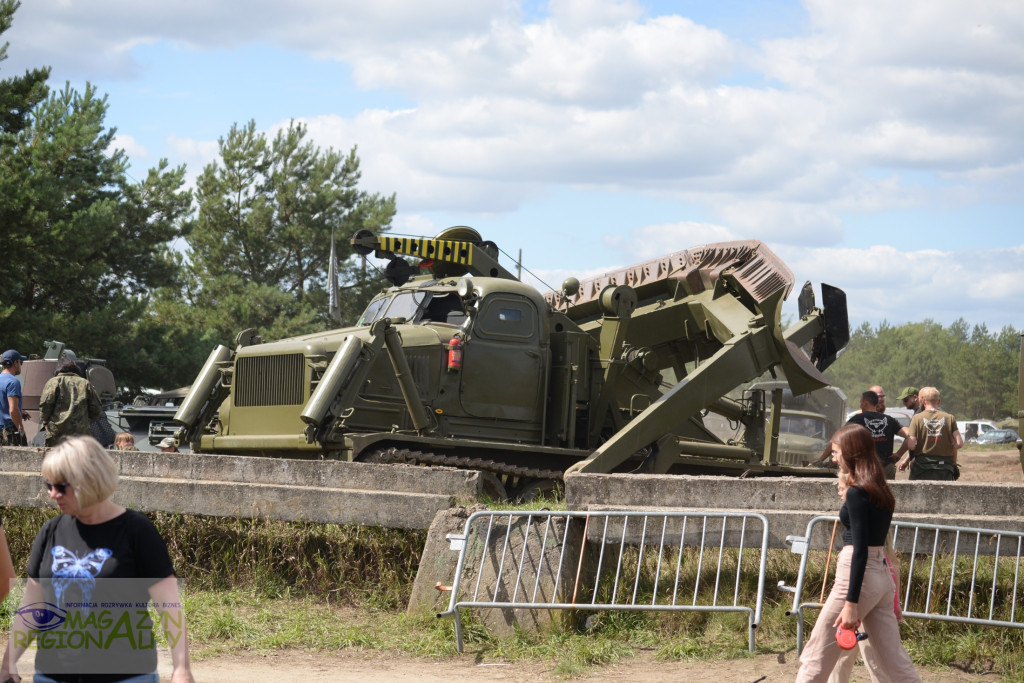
<point>611,560</point>
<point>947,573</point>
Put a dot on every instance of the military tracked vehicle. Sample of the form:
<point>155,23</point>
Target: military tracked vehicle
<point>461,364</point>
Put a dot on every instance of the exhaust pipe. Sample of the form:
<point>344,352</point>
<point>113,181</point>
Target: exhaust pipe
<point>203,388</point>
<point>338,371</point>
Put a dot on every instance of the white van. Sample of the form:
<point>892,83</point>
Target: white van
<point>970,430</point>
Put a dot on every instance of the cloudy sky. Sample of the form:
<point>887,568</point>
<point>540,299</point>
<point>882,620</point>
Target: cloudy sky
<point>874,145</point>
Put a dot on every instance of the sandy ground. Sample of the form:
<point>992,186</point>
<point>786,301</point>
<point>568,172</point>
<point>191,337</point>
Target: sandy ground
<point>1000,466</point>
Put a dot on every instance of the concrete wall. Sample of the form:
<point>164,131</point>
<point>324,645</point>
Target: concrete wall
<point>790,502</point>
<point>269,488</point>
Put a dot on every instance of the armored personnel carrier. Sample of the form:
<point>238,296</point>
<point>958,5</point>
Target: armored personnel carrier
<point>461,364</point>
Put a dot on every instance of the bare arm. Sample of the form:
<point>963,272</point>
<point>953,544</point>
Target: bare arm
<point>6,566</point>
<point>910,443</point>
<point>19,640</point>
<point>12,408</point>
<point>168,604</point>
<point>903,446</point>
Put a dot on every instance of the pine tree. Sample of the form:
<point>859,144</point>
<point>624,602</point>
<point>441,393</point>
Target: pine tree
<point>18,96</point>
<point>83,245</point>
<point>259,250</point>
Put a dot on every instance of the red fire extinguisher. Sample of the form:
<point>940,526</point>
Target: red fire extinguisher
<point>455,355</point>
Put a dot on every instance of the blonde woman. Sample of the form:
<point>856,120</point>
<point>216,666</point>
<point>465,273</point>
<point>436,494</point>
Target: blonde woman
<point>96,554</point>
<point>124,441</point>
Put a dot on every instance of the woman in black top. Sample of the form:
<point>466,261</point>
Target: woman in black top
<point>91,575</point>
<point>863,591</point>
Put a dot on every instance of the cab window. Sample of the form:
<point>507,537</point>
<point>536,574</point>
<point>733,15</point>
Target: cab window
<point>507,317</point>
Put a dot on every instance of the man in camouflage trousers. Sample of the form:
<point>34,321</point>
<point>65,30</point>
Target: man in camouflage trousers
<point>68,404</point>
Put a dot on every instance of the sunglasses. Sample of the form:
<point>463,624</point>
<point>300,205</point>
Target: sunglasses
<point>61,488</point>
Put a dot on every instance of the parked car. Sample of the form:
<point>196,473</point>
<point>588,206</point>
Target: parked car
<point>971,430</point>
<point>998,436</point>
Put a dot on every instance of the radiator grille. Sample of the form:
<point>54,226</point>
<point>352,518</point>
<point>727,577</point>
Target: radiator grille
<point>270,380</point>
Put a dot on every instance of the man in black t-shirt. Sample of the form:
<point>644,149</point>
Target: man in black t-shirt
<point>883,428</point>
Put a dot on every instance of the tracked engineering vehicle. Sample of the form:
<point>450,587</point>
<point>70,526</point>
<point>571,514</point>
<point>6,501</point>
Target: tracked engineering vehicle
<point>461,364</point>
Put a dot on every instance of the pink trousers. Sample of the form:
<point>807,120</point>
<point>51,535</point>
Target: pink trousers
<point>885,658</point>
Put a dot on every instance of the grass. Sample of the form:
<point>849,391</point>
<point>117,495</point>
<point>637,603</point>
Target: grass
<point>263,586</point>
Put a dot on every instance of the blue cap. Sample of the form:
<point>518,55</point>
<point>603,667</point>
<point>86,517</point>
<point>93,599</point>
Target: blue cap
<point>10,356</point>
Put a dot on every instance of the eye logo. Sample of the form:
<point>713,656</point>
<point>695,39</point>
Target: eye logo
<point>42,616</point>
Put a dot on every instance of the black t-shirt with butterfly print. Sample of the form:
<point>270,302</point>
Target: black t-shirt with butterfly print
<point>75,562</point>
<point>883,428</point>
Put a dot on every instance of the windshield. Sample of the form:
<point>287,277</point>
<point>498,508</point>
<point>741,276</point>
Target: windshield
<point>373,311</point>
<point>406,305</point>
<point>442,308</point>
<point>804,426</point>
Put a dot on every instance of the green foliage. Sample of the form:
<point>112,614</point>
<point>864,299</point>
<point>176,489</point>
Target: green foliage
<point>90,258</point>
<point>18,95</point>
<point>85,246</point>
<point>258,251</point>
<point>975,370</point>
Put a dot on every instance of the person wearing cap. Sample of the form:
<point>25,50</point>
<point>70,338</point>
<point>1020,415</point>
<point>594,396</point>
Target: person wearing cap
<point>68,404</point>
<point>167,445</point>
<point>12,417</point>
<point>908,397</point>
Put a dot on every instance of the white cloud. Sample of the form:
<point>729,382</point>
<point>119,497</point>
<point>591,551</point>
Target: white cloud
<point>654,241</point>
<point>131,147</point>
<point>413,224</point>
<point>882,282</point>
<point>873,106</point>
<point>195,154</point>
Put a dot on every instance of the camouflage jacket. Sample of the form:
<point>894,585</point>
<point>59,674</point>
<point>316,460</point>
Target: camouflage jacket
<point>67,406</point>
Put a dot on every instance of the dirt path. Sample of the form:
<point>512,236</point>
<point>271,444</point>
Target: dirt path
<point>291,665</point>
